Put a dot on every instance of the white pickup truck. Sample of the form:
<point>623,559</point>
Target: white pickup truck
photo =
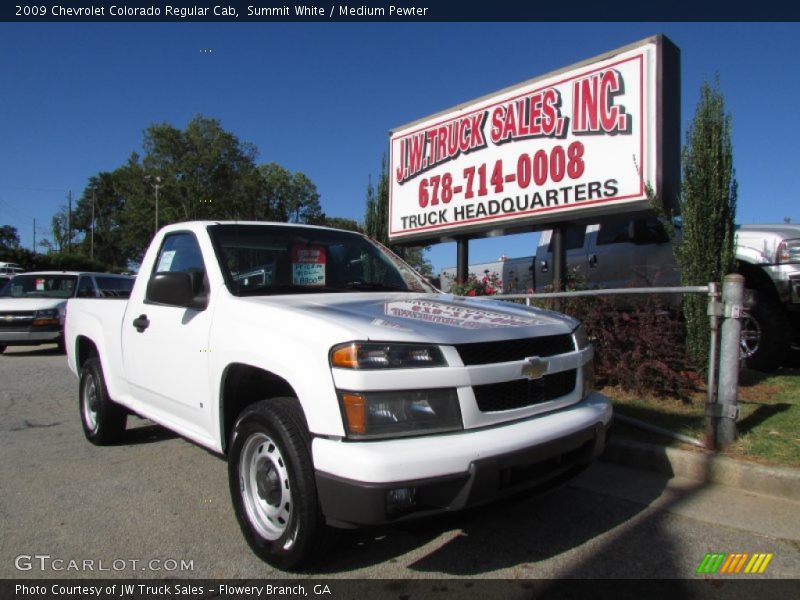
<point>625,252</point>
<point>341,387</point>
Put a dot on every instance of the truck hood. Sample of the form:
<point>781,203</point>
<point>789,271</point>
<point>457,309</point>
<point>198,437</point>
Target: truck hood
<point>433,318</point>
<point>14,304</point>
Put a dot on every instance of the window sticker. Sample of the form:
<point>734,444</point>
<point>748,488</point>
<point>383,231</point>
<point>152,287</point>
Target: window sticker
<point>40,285</point>
<point>308,265</point>
<point>165,263</point>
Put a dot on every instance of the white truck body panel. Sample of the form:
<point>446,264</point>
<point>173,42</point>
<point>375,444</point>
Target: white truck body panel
<point>172,370</point>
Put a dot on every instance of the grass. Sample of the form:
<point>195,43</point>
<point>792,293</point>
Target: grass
<point>768,425</point>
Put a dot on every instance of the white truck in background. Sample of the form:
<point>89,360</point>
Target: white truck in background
<point>637,253</point>
<point>341,387</point>
<point>33,305</point>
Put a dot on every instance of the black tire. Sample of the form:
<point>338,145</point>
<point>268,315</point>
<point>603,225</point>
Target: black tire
<point>766,332</point>
<point>272,484</point>
<point>103,419</point>
<point>3,348</point>
<point>62,345</point>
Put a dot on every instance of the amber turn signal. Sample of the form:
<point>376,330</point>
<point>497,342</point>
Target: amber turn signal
<point>355,409</point>
<point>345,357</point>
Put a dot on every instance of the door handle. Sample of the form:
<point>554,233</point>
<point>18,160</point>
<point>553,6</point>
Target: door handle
<point>141,323</point>
<point>593,261</point>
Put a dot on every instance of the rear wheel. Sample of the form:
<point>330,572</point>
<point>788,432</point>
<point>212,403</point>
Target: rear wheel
<point>3,348</point>
<point>271,478</point>
<point>766,332</point>
<point>103,419</point>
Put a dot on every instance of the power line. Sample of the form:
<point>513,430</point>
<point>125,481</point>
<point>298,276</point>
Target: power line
<point>30,189</point>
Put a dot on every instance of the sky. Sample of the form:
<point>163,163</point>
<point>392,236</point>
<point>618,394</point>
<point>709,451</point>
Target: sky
<point>321,98</point>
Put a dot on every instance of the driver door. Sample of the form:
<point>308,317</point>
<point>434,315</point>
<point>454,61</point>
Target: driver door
<point>165,348</point>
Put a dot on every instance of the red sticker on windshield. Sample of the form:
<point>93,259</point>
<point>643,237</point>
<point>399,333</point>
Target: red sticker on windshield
<point>308,265</point>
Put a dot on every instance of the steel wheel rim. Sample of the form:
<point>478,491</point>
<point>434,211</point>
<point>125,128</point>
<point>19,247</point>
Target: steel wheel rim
<point>750,336</point>
<point>90,403</point>
<point>264,481</point>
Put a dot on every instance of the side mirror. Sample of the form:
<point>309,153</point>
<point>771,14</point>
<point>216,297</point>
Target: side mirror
<point>177,289</point>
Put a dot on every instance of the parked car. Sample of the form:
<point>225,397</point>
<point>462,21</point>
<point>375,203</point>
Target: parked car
<point>637,253</point>
<point>9,269</point>
<point>343,389</point>
<point>33,305</point>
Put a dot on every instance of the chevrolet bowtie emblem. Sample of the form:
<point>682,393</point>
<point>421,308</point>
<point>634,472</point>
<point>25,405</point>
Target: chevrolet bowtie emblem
<point>535,368</point>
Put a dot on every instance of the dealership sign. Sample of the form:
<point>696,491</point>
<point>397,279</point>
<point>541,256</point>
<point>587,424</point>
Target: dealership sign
<point>578,143</point>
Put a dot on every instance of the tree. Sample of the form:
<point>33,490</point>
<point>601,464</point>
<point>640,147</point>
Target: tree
<point>305,207</point>
<point>9,237</point>
<point>376,222</point>
<point>61,230</point>
<point>708,209</point>
<point>289,197</point>
<point>342,223</point>
<point>206,172</point>
<point>275,191</point>
<point>199,173</point>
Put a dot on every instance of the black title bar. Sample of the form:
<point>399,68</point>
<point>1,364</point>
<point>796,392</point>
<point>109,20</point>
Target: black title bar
<point>399,11</point>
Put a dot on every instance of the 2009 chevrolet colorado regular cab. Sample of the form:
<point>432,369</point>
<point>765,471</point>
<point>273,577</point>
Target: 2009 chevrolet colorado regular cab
<point>342,388</point>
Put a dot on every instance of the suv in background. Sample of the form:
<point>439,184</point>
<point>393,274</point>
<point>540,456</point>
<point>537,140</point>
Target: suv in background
<point>33,305</point>
<point>8,270</point>
<point>638,253</point>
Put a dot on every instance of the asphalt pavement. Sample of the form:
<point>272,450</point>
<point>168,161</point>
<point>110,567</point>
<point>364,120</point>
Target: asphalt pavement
<point>157,506</point>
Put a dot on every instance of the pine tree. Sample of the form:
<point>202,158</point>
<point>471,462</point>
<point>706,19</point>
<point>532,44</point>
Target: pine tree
<point>708,208</point>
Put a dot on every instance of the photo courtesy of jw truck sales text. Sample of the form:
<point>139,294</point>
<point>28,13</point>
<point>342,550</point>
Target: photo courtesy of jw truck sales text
<point>585,140</point>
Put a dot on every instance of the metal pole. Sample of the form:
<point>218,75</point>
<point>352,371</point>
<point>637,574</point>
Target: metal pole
<point>158,181</point>
<point>91,245</point>
<point>559,260</point>
<point>34,236</point>
<point>714,314</point>
<point>462,259</point>
<point>69,225</point>
<point>726,407</point>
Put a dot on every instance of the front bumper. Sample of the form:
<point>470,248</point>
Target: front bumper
<point>44,335</point>
<point>411,478</point>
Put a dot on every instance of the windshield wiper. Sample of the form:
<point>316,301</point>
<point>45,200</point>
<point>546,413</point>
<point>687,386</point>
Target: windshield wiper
<point>375,287</point>
<point>287,289</point>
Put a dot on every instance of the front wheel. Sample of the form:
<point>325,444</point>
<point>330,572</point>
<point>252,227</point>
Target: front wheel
<point>766,332</point>
<point>271,478</point>
<point>103,419</point>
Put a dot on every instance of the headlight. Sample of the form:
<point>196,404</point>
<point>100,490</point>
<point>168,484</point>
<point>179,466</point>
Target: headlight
<point>400,413</point>
<point>357,355</point>
<point>46,317</point>
<point>789,251</point>
<point>587,371</point>
<point>580,338</point>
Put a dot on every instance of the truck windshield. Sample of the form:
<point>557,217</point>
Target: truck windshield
<point>275,259</point>
<point>40,286</point>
